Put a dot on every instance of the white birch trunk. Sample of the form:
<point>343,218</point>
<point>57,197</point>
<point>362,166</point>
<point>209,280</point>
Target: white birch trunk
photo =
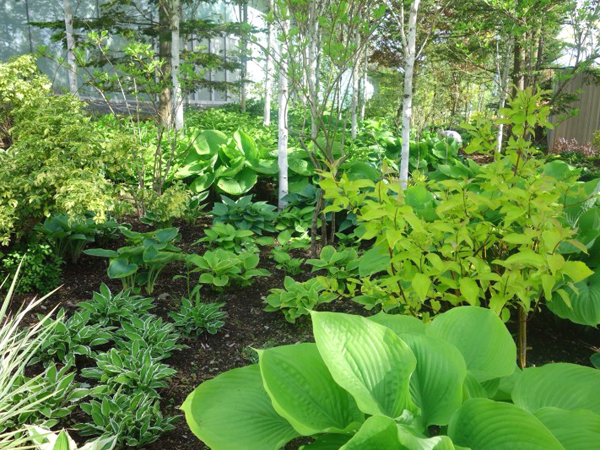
<point>503,93</point>
<point>409,67</point>
<point>244,70</point>
<point>175,64</point>
<point>282,143</point>
<point>72,68</point>
<point>267,110</point>
<point>355,88</point>
<point>313,70</point>
<point>363,84</point>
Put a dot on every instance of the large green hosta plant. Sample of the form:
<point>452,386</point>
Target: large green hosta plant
<point>382,382</point>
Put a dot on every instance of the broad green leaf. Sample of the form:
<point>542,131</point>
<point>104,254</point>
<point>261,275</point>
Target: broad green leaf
<point>101,252</point>
<point>121,268</point>
<point>377,433</point>
<point>240,183</point>
<point>562,385</point>
<point>420,284</point>
<point>399,324</point>
<point>209,141</point>
<point>483,424</point>
<point>577,270</point>
<point>233,411</point>
<point>366,359</point>
<point>202,182</point>
<point>481,337</point>
<point>584,305</point>
<point>469,290</point>
<point>436,386</point>
<point>412,440</point>
<point>304,393</point>
<point>575,430</point>
<point>373,261</point>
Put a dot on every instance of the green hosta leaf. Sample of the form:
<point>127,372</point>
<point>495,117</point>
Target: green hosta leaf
<point>575,430</point>
<point>301,166</point>
<point>584,305</point>
<point>247,145</point>
<point>481,337</point>
<point>366,359</point>
<point>303,391</point>
<point>562,385</point>
<point>233,411</point>
<point>121,268</point>
<point>436,386</point>
<point>202,182</point>
<point>209,141</point>
<point>377,433</point>
<point>101,252</point>
<point>239,184</point>
<point>483,424</point>
<point>399,324</point>
<point>297,183</point>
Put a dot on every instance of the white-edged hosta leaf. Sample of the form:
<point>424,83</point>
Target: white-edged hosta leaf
<point>483,424</point>
<point>366,359</point>
<point>304,393</point>
<point>436,385</point>
<point>562,385</point>
<point>233,411</point>
<point>575,430</point>
<point>481,337</point>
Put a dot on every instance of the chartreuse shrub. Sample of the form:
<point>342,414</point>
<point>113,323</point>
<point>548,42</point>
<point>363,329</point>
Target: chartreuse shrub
<point>391,381</point>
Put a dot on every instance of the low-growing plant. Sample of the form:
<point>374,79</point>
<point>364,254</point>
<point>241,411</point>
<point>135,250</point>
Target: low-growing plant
<point>131,369</point>
<point>107,309</point>
<point>298,299</point>
<point>227,237</point>
<point>244,214</point>
<point>390,381</point>
<point>295,219</point>
<point>151,333</point>
<point>40,267</point>
<point>45,439</point>
<point>340,266</point>
<point>135,419</point>
<point>72,234</point>
<point>285,262</point>
<point>142,261</point>
<point>219,268</point>
<point>173,203</point>
<point>196,317</point>
<point>72,337</point>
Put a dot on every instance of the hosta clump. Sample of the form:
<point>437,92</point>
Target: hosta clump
<point>135,419</point>
<point>245,214</point>
<point>196,317</point>
<point>338,265</point>
<point>151,333</point>
<point>106,308</point>
<point>143,259</point>
<point>130,370</point>
<point>220,267</point>
<point>384,382</point>
<point>75,336</point>
<point>227,237</point>
<point>286,262</point>
<point>297,299</point>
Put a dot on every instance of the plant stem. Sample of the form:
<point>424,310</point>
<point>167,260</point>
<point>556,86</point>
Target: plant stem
<point>522,337</point>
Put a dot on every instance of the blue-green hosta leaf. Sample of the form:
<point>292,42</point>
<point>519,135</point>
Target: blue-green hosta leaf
<point>121,268</point>
<point>297,183</point>
<point>232,411</point>
<point>483,424</point>
<point>436,386</point>
<point>585,303</point>
<point>266,166</point>
<point>481,337</point>
<point>103,253</point>
<point>575,430</point>
<point>399,323</point>
<point>562,385</point>
<point>303,391</point>
<point>239,184</point>
<point>366,359</point>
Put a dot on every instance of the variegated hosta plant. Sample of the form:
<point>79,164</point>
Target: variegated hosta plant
<point>391,382</point>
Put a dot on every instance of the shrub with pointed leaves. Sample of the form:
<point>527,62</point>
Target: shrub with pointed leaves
<point>382,382</point>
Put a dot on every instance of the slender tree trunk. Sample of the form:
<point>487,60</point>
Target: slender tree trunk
<point>72,68</point>
<point>282,143</point>
<point>517,76</point>
<point>363,84</point>
<point>409,67</point>
<point>175,62</point>
<point>244,70</point>
<point>355,88</point>
<point>313,70</point>
<point>503,93</point>
<point>165,105</point>
<point>267,110</point>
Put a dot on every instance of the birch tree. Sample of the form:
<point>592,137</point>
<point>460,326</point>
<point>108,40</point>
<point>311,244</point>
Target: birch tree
<point>71,67</point>
<point>175,64</point>
<point>267,110</point>
<point>282,142</point>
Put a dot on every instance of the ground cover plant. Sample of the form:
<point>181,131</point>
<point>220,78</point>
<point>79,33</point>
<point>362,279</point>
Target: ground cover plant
<point>406,256</point>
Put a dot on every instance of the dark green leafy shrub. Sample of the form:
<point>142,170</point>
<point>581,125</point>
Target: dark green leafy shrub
<point>141,262</point>
<point>244,214</point>
<point>71,337</point>
<point>298,299</point>
<point>173,203</point>
<point>131,369</point>
<point>135,418</point>
<point>40,268</point>
<point>195,318</point>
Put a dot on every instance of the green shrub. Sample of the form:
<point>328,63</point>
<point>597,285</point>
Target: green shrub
<point>172,204</point>
<point>244,214</point>
<point>40,268</point>
<point>227,237</point>
<point>391,382</point>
